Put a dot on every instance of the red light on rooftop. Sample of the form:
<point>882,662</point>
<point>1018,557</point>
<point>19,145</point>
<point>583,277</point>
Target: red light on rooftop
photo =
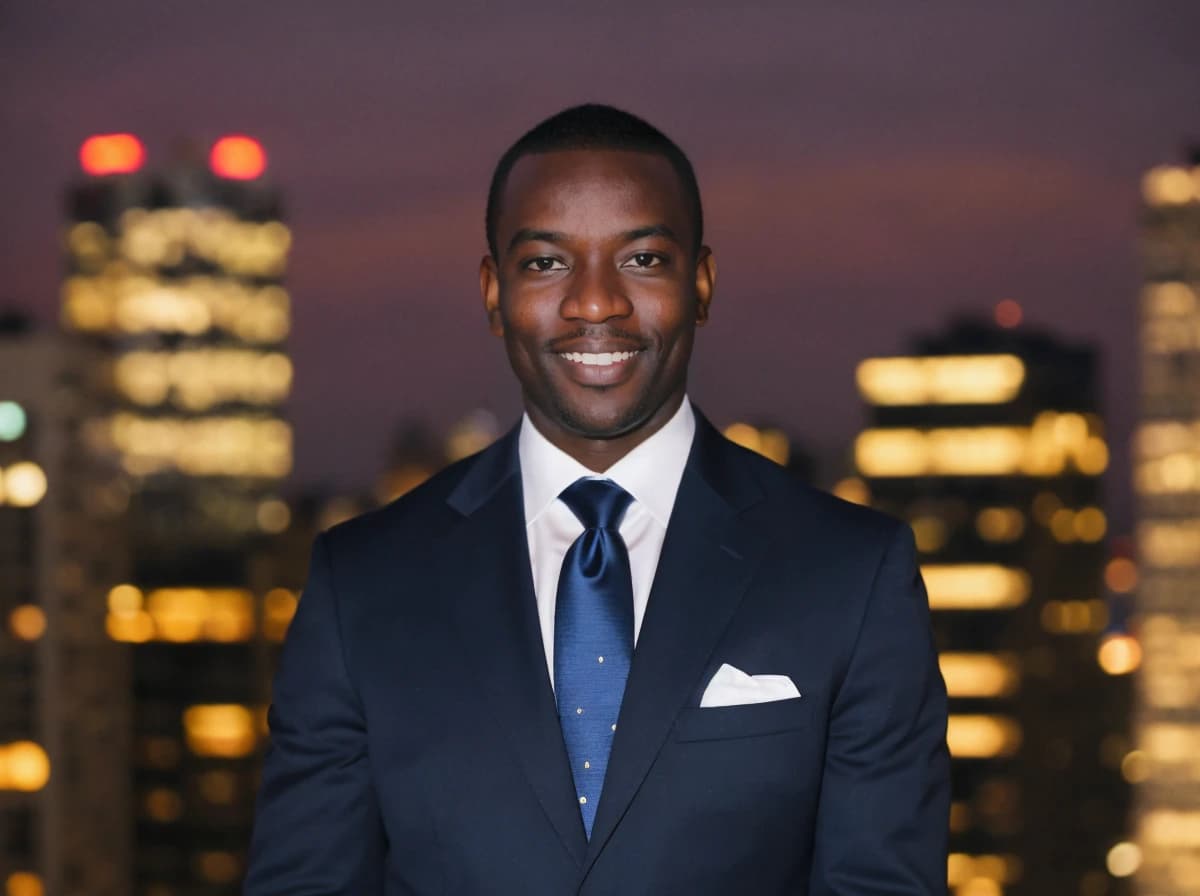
<point>238,158</point>
<point>111,154</point>
<point>1008,313</point>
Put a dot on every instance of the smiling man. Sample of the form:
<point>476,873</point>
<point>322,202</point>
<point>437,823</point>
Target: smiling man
<point>613,653</point>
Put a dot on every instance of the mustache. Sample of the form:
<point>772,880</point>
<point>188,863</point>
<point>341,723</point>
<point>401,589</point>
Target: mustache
<point>599,333</point>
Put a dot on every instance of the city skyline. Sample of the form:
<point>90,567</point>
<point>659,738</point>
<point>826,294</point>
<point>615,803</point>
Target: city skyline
<point>887,167</point>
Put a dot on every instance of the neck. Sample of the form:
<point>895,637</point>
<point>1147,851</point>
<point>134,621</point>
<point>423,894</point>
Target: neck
<point>598,455</point>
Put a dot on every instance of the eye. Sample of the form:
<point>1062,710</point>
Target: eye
<point>543,263</point>
<point>644,260</point>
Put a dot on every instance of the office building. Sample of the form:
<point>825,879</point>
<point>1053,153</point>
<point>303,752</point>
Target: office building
<point>1166,478</point>
<point>64,685</point>
<point>174,276</point>
<point>987,439</point>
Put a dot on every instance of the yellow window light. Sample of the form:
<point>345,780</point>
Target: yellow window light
<point>223,730</point>
<point>979,674</point>
<point>982,736</point>
<point>1169,185</point>
<point>975,586</point>
<point>24,766</point>
<point>949,379</point>
<point>27,622</point>
<point>24,484</point>
<point>1119,654</point>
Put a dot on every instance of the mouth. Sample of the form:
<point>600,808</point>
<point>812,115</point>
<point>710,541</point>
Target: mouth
<point>598,359</point>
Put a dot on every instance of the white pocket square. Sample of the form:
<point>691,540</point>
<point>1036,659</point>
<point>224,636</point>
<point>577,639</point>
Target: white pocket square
<point>733,687</point>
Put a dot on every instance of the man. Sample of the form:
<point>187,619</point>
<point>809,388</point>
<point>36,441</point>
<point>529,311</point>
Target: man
<point>613,653</point>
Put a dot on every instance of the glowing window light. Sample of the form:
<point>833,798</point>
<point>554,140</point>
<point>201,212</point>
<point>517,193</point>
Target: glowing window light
<point>224,730</point>
<point>982,736</point>
<point>24,484</point>
<point>1172,299</point>
<point>949,379</point>
<point>24,883</point>
<point>1124,859</point>
<point>974,586</point>
<point>1170,829</point>
<point>1072,617</point>
<point>1041,450</point>
<point>238,158</point>
<point>963,867</point>
<point>124,600</point>
<point>279,605</point>
<point>853,489</point>
<point>979,674</point>
<point>192,614</point>
<point>12,421</point>
<point>132,628</point>
<point>929,532</point>
<point>770,443</point>
<point>24,766</point>
<point>27,622</point>
<point>1090,524</point>
<point>1168,185</point>
<point>1000,524</point>
<point>1167,743</point>
<point>273,516</point>
<point>979,886</point>
<point>111,154</point>
<point>1119,654</point>
<point>1170,544</point>
<point>1135,767</point>
<point>163,805</point>
<point>218,867</point>
<point>211,446</point>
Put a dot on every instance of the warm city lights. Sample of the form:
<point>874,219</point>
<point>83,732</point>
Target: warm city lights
<point>965,379</point>
<point>768,442</point>
<point>220,730</point>
<point>1052,445</point>
<point>27,622</point>
<point>238,158</point>
<point>111,154</point>
<point>24,766</point>
<point>979,674</point>
<point>12,421</point>
<point>22,485</point>
<point>982,736</point>
<point>1119,654</point>
<point>974,586</point>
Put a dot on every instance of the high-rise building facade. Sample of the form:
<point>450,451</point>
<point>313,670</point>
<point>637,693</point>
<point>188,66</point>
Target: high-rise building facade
<point>987,440</point>
<point>1167,484</point>
<point>64,685</point>
<point>174,275</point>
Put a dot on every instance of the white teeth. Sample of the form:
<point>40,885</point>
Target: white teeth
<point>592,359</point>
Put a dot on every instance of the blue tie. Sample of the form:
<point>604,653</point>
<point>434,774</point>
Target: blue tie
<point>593,634</point>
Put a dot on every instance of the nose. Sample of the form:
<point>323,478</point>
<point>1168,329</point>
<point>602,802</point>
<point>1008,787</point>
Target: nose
<point>595,295</point>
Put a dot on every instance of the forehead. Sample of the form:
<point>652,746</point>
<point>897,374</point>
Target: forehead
<point>593,190</point>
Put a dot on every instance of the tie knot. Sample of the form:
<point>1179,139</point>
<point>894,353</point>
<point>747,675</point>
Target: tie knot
<point>598,503</point>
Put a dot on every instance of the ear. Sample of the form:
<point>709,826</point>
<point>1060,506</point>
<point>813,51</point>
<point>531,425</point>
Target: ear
<point>489,287</point>
<point>706,279</point>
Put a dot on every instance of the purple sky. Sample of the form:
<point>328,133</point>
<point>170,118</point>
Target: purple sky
<point>867,168</point>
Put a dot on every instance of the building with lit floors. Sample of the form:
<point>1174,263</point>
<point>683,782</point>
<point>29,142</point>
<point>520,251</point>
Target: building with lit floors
<point>64,684</point>
<point>987,439</point>
<point>1166,480</point>
<point>174,276</point>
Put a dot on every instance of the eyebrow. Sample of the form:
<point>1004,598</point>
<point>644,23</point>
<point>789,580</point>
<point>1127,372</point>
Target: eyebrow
<point>529,235</point>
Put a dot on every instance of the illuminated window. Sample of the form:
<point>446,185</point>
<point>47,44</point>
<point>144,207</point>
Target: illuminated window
<point>979,674</point>
<point>974,586</point>
<point>950,379</point>
<point>982,736</point>
<point>770,443</point>
<point>221,730</point>
<point>24,766</point>
<point>27,622</point>
<point>24,484</point>
<point>1000,524</point>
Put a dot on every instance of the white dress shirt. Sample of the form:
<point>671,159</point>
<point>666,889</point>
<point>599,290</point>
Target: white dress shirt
<point>651,472</point>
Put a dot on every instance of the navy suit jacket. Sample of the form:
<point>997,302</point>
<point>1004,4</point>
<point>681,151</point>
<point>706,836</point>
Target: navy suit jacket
<point>415,745</point>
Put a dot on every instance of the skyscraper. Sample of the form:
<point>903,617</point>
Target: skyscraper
<point>1167,484</point>
<point>987,439</point>
<point>64,685</point>
<point>174,276</point>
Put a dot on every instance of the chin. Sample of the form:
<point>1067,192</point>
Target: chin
<point>595,423</point>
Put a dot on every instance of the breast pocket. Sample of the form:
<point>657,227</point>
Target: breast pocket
<point>751,720</point>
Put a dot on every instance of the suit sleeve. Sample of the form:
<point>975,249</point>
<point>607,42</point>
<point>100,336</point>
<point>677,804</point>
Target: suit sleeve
<point>317,830</point>
<point>883,815</point>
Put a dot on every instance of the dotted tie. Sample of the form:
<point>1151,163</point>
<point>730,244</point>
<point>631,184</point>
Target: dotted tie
<point>593,634</point>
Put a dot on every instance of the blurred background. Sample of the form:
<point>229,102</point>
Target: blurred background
<point>959,251</point>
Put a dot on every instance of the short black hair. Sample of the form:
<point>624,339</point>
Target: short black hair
<point>595,126</point>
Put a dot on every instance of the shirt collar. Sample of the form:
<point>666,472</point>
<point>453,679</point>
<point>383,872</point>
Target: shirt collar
<point>651,472</point>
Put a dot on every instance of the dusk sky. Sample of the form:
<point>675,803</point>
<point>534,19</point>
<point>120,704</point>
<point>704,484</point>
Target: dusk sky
<point>867,168</point>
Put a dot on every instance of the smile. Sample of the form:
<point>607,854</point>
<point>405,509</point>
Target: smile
<point>601,359</point>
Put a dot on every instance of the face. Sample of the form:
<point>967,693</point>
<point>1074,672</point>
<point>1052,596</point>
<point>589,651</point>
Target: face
<point>597,291</point>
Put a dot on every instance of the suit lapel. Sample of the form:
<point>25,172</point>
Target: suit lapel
<point>485,566</point>
<point>708,557</point>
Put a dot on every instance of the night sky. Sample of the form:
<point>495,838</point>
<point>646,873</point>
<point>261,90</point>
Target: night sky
<point>867,169</point>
